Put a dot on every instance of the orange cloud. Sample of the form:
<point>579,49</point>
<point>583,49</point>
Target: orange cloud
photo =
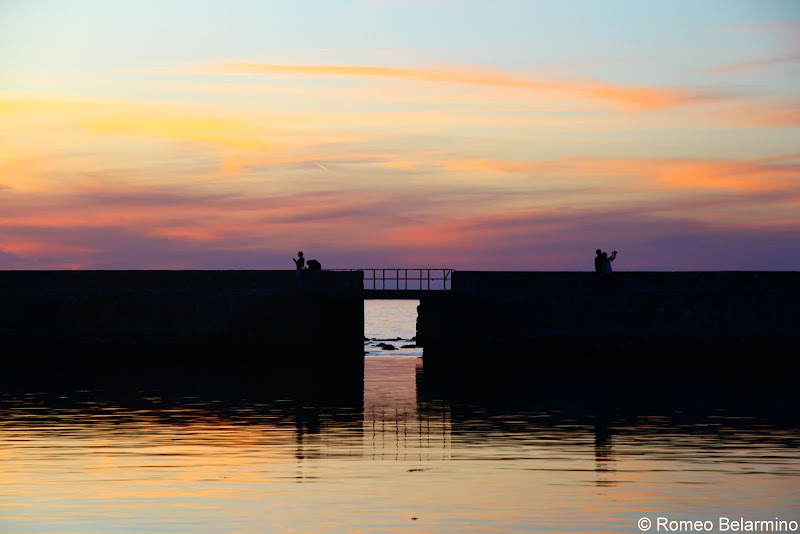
<point>58,122</point>
<point>493,165</point>
<point>403,165</point>
<point>785,115</point>
<point>225,132</point>
<point>625,97</point>
<point>77,193</point>
<point>10,108</point>
<point>426,223</point>
<point>748,175</point>
<point>735,175</point>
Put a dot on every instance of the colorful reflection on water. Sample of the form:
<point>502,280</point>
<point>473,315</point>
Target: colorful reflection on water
<point>399,463</point>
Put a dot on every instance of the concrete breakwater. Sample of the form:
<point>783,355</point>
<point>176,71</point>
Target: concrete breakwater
<point>210,325</point>
<point>713,321</point>
<point>248,326</point>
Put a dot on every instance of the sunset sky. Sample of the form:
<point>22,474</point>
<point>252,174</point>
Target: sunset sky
<point>472,134</point>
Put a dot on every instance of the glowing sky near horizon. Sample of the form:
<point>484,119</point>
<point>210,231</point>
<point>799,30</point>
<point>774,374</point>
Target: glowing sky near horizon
<point>512,135</point>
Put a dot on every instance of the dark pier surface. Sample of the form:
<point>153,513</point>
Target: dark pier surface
<point>245,328</point>
<point>742,323</point>
<point>174,328</point>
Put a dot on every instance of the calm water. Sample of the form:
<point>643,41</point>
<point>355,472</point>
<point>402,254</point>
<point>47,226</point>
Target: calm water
<point>406,460</point>
<point>393,322</point>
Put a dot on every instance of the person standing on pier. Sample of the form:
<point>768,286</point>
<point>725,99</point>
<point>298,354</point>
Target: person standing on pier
<point>607,262</point>
<point>602,262</point>
<point>598,261</point>
<point>312,272</point>
<point>299,263</point>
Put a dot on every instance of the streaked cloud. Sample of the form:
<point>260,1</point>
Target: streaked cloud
<point>760,115</point>
<point>535,213</point>
<point>742,66</point>
<point>204,129</point>
<point>391,151</point>
<point>617,95</point>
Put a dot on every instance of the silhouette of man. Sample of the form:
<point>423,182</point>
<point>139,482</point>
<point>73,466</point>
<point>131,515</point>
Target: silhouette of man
<point>598,261</point>
<point>314,268</point>
<point>299,263</point>
<point>602,262</point>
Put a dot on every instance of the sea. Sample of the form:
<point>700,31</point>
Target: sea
<point>697,456</point>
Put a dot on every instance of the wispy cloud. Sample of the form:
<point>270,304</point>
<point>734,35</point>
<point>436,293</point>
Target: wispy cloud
<point>743,66</point>
<point>127,185</point>
<point>617,95</point>
<point>203,129</point>
<point>679,173</point>
<point>538,219</point>
<point>560,239</point>
<point>744,175</point>
<point>759,114</point>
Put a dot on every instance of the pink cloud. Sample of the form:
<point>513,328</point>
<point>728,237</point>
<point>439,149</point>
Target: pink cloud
<point>648,208</point>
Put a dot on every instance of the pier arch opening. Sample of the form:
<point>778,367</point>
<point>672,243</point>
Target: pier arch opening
<point>390,327</point>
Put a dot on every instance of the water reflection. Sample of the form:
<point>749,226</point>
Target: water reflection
<point>396,425</point>
<point>411,456</point>
<point>603,453</point>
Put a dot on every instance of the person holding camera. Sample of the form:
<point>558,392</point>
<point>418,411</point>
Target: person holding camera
<point>602,262</point>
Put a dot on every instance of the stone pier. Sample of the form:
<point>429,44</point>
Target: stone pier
<point>726,322</point>
<point>176,327</point>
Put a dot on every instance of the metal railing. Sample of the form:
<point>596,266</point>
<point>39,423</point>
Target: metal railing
<point>419,279</point>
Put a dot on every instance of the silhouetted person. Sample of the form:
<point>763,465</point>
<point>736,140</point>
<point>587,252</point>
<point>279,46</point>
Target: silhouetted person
<point>602,262</point>
<point>607,262</point>
<point>598,261</point>
<point>299,264</point>
<point>314,268</point>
